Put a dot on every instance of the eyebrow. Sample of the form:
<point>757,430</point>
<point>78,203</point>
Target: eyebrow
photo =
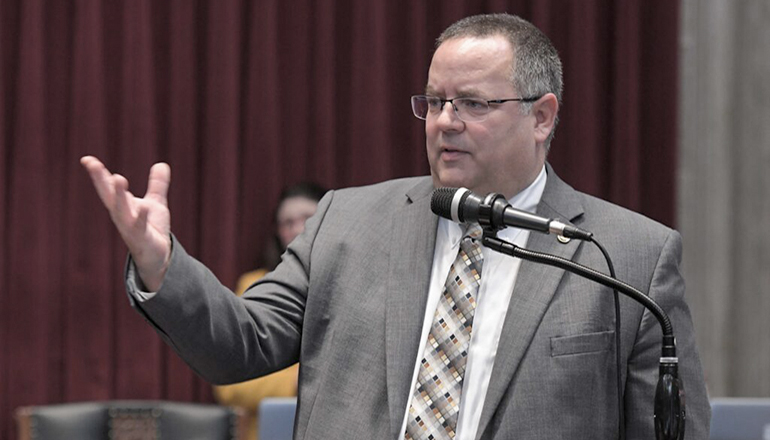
<point>471,92</point>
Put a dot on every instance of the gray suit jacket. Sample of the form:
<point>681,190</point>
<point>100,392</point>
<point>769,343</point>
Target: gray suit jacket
<point>348,302</point>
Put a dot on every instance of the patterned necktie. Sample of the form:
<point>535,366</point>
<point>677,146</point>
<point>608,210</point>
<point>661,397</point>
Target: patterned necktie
<point>436,399</point>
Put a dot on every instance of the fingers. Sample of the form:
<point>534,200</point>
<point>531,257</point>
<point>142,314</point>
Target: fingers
<point>158,183</point>
<point>122,203</point>
<point>142,223</point>
<point>142,213</point>
<point>101,178</point>
<point>129,212</point>
<point>113,190</point>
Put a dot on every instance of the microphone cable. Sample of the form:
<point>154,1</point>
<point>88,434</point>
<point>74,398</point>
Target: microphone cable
<point>493,213</point>
<point>621,406</point>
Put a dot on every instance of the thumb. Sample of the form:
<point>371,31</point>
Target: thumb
<point>158,183</point>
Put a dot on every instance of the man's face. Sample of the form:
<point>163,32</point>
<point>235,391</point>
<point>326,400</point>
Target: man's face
<point>499,154</point>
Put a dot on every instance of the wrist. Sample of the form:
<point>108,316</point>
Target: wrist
<point>153,273</point>
<point>152,280</point>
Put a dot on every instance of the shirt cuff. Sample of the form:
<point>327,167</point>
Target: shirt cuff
<point>134,285</point>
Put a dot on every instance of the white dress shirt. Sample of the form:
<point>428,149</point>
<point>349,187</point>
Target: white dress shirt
<point>498,275</point>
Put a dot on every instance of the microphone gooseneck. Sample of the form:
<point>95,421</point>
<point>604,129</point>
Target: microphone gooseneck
<point>494,213</point>
<point>669,406</point>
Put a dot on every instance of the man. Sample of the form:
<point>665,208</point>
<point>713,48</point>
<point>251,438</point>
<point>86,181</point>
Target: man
<point>362,296</point>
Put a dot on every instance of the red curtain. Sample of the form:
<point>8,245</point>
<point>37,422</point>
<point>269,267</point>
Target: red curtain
<point>241,98</point>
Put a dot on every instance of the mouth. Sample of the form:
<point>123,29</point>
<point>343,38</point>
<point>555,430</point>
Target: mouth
<point>451,154</point>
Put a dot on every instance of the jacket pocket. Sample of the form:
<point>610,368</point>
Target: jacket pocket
<point>579,344</point>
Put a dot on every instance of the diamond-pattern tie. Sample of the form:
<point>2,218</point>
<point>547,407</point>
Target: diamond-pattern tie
<point>436,399</point>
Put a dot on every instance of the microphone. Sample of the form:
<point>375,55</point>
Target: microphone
<point>493,211</point>
<point>462,206</point>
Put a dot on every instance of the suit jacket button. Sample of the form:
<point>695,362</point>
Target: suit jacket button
<point>563,239</point>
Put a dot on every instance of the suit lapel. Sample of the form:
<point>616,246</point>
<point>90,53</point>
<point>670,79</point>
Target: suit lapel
<point>411,258</point>
<point>535,286</point>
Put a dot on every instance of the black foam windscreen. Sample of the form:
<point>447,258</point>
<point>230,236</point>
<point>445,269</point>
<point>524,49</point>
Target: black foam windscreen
<point>441,201</point>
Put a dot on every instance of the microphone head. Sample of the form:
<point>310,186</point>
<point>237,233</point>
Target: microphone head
<point>447,203</point>
<point>441,201</point>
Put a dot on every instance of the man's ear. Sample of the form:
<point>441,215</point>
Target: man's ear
<point>545,110</point>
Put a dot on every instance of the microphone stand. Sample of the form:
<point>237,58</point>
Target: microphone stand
<point>669,412</point>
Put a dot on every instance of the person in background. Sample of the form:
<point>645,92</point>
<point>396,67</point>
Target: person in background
<point>296,204</point>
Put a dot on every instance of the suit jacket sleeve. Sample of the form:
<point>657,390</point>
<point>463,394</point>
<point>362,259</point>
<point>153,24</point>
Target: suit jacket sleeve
<point>224,338</point>
<point>667,289</point>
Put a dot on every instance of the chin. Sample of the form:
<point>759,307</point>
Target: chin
<point>451,177</point>
<point>453,183</point>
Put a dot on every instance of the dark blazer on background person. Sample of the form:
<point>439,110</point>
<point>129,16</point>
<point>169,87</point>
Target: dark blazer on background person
<point>348,303</point>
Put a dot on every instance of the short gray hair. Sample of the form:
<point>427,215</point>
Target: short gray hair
<point>536,66</point>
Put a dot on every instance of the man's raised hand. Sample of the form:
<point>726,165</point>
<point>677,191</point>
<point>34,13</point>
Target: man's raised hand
<point>143,223</point>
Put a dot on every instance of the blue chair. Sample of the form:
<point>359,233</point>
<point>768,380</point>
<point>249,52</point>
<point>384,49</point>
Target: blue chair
<point>740,419</point>
<point>276,418</point>
<point>129,419</point>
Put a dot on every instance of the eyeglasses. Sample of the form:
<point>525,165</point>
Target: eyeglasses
<point>467,109</point>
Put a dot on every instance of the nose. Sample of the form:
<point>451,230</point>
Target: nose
<point>292,228</point>
<point>447,118</point>
<point>297,228</point>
